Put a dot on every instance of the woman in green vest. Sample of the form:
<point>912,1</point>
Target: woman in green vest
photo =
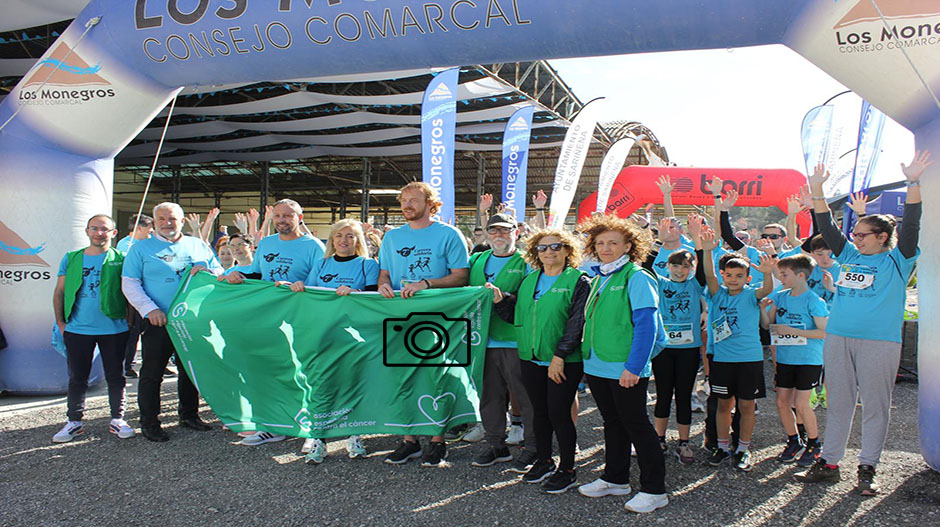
<point>548,315</point>
<point>622,331</point>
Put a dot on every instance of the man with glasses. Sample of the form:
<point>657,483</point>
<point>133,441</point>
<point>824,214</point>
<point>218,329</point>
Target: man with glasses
<point>90,311</point>
<point>422,254</point>
<point>153,269</point>
<point>504,267</point>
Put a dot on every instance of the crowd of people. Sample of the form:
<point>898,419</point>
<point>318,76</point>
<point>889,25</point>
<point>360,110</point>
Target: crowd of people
<point>613,305</point>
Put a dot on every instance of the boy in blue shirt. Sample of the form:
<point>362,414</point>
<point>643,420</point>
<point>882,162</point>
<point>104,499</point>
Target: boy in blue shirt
<point>796,318</point>
<point>736,373</point>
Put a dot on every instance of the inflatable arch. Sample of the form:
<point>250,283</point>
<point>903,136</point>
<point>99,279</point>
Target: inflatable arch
<point>120,70</point>
<point>635,186</point>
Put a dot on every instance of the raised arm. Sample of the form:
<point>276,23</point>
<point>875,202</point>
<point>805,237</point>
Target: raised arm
<point>708,245</point>
<point>665,186</point>
<point>539,200</point>
<point>834,237</point>
<point>910,227</point>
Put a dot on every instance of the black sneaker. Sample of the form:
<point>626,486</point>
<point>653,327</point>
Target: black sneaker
<point>742,461</point>
<point>405,451</point>
<point>810,455</point>
<point>866,481</point>
<point>524,462</point>
<point>154,433</point>
<point>818,473</point>
<point>539,471</point>
<point>434,454</point>
<point>790,452</point>
<point>560,481</point>
<point>492,456</point>
<point>718,457</point>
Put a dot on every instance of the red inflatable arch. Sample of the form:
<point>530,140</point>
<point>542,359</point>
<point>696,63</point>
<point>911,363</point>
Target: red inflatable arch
<point>635,186</point>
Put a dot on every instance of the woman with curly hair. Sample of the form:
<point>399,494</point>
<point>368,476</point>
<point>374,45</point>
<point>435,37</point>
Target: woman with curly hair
<point>548,315</point>
<point>623,330</point>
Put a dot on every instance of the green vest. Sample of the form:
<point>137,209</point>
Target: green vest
<point>113,303</point>
<point>609,311</point>
<point>540,324</point>
<point>507,280</point>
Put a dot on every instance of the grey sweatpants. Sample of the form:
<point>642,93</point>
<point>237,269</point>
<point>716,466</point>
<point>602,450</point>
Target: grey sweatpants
<point>501,374</point>
<point>858,367</point>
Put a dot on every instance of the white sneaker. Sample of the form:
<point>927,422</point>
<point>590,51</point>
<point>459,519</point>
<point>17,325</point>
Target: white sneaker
<point>599,487</point>
<point>120,428</point>
<point>475,434</point>
<point>260,438</point>
<point>644,502</point>
<point>308,445</point>
<point>355,448</point>
<point>317,453</point>
<point>68,432</point>
<point>516,435</point>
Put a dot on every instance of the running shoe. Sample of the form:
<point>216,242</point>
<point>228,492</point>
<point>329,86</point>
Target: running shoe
<point>70,431</point>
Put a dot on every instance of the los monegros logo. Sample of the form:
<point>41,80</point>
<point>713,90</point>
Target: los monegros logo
<point>19,261</point>
<point>64,78</point>
<point>906,24</point>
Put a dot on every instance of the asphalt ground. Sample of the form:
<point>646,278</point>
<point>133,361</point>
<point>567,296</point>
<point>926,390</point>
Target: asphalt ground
<point>203,478</point>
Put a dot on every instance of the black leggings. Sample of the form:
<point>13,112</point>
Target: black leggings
<point>675,370</point>
<point>551,409</point>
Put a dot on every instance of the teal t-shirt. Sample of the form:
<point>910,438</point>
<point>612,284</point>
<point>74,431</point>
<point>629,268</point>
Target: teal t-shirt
<point>870,294</point>
<point>287,260</point>
<point>86,317</point>
<point>661,263</point>
<point>356,273</point>
<point>642,291</point>
<point>815,282</point>
<point>798,312</point>
<point>495,264</point>
<point>411,255</point>
<point>680,304</point>
<point>733,323</point>
<point>159,265</point>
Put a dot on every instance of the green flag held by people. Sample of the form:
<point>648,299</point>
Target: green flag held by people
<point>315,364</point>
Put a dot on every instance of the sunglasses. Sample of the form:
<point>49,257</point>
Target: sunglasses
<point>861,235</point>
<point>771,236</point>
<point>555,247</point>
<point>499,230</point>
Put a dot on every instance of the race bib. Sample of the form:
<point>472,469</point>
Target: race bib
<point>720,329</point>
<point>856,276</point>
<point>782,338</point>
<point>678,334</point>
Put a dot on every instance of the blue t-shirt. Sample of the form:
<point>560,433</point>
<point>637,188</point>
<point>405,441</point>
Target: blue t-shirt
<point>356,273</point>
<point>798,312</point>
<point>86,317</point>
<point>243,269</point>
<point>124,244</point>
<point>680,304</point>
<point>160,264</point>
<point>642,291</point>
<point>815,282</point>
<point>757,278</point>
<point>287,260</point>
<point>411,255</point>
<point>739,317</point>
<point>874,312</point>
<point>588,267</point>
<point>495,264</point>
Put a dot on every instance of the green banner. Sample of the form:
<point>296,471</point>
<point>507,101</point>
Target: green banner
<point>315,364</point>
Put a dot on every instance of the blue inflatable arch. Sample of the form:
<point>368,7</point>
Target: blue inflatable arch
<point>123,61</point>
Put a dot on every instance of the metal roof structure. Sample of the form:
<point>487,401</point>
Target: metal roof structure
<point>328,142</point>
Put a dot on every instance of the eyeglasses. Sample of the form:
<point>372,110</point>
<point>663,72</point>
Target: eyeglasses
<point>555,247</point>
<point>499,230</point>
<point>238,245</point>
<point>100,229</point>
<point>771,236</point>
<point>861,235</point>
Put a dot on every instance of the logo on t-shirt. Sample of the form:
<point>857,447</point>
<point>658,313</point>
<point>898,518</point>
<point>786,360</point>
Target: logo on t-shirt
<point>327,278</point>
<point>168,258</point>
<point>406,251</point>
<point>681,306</point>
<point>669,293</point>
<point>781,312</point>
<point>661,265</point>
<point>421,264</point>
<point>270,257</point>
<point>279,272</point>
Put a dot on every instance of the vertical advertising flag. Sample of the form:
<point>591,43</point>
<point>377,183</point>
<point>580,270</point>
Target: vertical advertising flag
<point>438,121</point>
<point>610,169</point>
<point>568,170</point>
<point>870,126</point>
<point>817,125</point>
<point>516,159</point>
